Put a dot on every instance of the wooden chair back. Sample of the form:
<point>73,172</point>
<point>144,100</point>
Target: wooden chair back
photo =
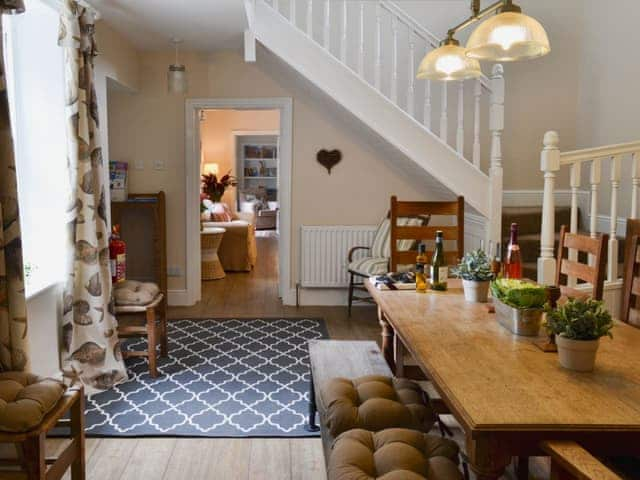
<point>427,232</point>
<point>593,274</point>
<point>630,309</point>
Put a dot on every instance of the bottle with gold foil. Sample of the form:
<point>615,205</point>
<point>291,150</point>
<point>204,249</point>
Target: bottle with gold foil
<point>421,262</point>
<point>439,269</point>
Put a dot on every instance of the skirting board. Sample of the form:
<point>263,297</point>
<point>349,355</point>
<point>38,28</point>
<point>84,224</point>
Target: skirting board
<point>178,298</point>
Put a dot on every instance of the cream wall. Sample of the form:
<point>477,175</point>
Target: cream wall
<point>218,142</point>
<point>150,127</point>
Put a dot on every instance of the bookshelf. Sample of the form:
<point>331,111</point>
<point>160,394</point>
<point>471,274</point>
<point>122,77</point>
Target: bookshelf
<point>257,167</point>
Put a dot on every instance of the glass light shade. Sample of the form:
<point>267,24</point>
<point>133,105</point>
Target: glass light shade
<point>507,37</point>
<point>210,169</point>
<point>11,7</point>
<point>448,62</point>
<point>177,79</point>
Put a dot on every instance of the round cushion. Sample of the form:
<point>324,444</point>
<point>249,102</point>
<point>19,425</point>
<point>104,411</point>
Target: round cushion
<point>393,454</point>
<point>375,402</point>
<point>25,399</point>
<point>132,292</point>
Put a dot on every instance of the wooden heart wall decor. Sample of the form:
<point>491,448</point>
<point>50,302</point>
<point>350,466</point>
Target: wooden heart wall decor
<point>329,159</point>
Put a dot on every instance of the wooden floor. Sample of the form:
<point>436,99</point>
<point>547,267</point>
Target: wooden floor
<point>238,295</point>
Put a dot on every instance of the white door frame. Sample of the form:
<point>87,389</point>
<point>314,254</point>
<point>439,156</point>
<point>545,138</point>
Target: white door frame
<point>192,174</point>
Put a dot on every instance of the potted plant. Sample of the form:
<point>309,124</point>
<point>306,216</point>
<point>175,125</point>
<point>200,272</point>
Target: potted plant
<point>578,326</point>
<point>475,272</point>
<point>215,187</point>
<point>519,305</point>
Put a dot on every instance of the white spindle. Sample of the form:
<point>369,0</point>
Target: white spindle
<point>361,43</point>
<point>477,94</point>
<point>378,53</point>
<point>612,270</point>
<point>444,119</point>
<point>343,33</point>
<point>411,88</point>
<point>426,116</point>
<point>576,173</point>
<point>292,11</point>
<point>635,183</point>
<point>276,6</point>
<point>496,126</point>
<point>594,182</point>
<point>549,164</point>
<point>327,25</point>
<point>394,61</point>
<point>310,18</point>
<point>460,129</point>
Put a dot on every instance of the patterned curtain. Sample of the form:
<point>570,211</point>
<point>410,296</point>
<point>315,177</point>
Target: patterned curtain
<point>13,317</point>
<point>90,351</point>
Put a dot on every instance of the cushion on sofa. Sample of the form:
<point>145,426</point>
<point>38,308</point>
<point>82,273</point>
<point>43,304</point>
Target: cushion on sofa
<point>132,292</point>
<point>374,402</point>
<point>393,454</point>
<point>25,399</point>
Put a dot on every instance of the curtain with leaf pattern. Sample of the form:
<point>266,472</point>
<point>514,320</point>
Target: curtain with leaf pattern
<point>91,351</point>
<point>13,317</point>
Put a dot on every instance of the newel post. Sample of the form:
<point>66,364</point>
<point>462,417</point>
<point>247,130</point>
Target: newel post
<point>549,164</point>
<point>496,126</point>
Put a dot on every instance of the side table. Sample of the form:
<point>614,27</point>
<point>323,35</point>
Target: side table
<point>210,239</point>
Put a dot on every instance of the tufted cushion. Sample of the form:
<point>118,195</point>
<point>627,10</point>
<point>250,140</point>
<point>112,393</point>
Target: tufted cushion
<point>132,292</point>
<point>393,454</point>
<point>25,399</point>
<point>374,402</point>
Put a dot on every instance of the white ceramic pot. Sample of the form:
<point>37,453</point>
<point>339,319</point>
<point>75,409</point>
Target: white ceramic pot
<point>477,292</point>
<point>579,355</point>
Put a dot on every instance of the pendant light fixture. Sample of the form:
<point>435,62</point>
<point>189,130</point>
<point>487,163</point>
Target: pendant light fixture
<point>507,37</point>
<point>448,62</point>
<point>11,7</point>
<point>177,74</point>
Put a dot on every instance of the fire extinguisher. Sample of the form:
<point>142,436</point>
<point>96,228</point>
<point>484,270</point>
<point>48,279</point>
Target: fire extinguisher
<point>117,256</point>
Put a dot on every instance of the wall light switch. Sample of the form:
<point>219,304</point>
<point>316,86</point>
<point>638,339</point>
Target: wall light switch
<point>158,164</point>
<point>138,164</point>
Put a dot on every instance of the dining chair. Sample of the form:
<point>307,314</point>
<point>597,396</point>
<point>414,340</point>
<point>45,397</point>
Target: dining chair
<point>630,308</point>
<point>408,235</point>
<point>589,273</point>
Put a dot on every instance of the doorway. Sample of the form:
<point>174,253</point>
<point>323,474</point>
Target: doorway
<point>249,139</point>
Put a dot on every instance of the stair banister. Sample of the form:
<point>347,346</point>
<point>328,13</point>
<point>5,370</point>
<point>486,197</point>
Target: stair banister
<point>549,164</point>
<point>575,180</point>
<point>496,126</point>
<point>612,270</point>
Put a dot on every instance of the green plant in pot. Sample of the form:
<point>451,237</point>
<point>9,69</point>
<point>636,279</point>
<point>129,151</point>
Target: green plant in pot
<point>475,271</point>
<point>578,326</point>
<point>519,305</point>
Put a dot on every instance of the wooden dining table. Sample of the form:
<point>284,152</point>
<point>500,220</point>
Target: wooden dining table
<point>506,393</point>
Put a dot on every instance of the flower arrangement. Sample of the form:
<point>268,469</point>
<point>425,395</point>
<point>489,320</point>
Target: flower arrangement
<point>474,266</point>
<point>580,320</point>
<point>215,187</point>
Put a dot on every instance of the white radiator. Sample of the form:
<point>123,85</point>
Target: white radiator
<point>323,253</point>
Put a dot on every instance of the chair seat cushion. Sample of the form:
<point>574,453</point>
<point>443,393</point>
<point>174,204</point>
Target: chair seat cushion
<point>25,399</point>
<point>132,292</point>
<point>374,402</point>
<point>370,266</point>
<point>393,454</point>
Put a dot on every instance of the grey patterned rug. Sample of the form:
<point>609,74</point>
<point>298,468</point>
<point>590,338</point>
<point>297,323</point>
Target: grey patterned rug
<point>223,378</point>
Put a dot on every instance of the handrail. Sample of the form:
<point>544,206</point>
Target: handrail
<point>395,9</point>
<point>588,154</point>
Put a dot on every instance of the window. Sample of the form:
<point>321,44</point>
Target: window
<point>35,83</point>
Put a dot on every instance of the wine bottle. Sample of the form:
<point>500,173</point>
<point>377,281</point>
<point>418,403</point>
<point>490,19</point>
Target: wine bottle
<point>421,261</point>
<point>496,262</point>
<point>513,262</point>
<point>439,270</point>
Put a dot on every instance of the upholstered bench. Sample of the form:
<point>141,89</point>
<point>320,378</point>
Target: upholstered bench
<point>392,454</point>
<point>30,407</point>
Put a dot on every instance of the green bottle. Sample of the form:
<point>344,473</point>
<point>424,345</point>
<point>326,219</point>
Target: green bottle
<point>439,269</point>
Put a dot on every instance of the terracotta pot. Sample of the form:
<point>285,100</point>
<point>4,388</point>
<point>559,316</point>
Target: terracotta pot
<point>475,291</point>
<point>578,355</point>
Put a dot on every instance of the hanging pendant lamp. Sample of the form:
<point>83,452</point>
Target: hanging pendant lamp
<point>177,81</point>
<point>508,36</point>
<point>448,62</point>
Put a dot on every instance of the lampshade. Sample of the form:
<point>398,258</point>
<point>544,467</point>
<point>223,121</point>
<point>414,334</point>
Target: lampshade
<point>507,37</point>
<point>11,7</point>
<point>177,79</point>
<point>448,62</point>
<point>210,169</point>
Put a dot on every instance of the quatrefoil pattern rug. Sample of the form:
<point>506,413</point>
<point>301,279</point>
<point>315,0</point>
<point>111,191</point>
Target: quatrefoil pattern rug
<point>223,378</point>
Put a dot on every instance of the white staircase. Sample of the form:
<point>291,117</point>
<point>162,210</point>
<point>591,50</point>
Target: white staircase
<point>352,51</point>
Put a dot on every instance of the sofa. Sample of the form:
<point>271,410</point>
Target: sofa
<point>237,251</point>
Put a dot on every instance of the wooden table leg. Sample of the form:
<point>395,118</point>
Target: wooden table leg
<point>387,340</point>
<point>398,356</point>
<point>488,458</point>
<point>77,434</point>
